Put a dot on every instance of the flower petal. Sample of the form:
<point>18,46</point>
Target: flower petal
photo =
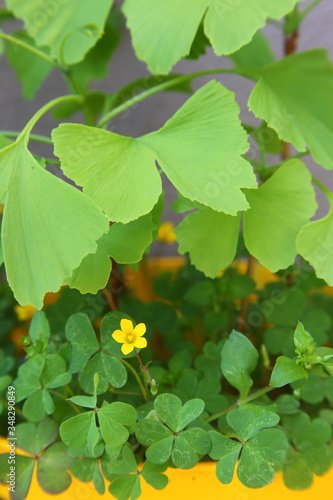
<point>127,348</point>
<point>140,329</point>
<point>119,336</point>
<point>140,343</point>
<point>126,325</point>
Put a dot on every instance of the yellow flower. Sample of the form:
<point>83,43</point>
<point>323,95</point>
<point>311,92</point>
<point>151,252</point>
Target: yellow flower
<point>24,313</point>
<point>166,233</point>
<point>129,336</point>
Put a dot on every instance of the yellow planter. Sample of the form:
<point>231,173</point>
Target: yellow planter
<point>196,484</point>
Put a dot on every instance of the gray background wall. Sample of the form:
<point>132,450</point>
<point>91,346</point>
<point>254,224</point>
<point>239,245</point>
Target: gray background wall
<point>152,113</point>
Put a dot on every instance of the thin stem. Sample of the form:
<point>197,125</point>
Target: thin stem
<point>109,299</point>
<point>248,399</point>
<point>127,393</point>
<point>55,102</point>
<point>253,161</point>
<point>309,8</point>
<point>324,189</point>
<point>138,379</point>
<point>33,137</point>
<point>249,73</point>
<point>30,48</point>
<point>294,157</point>
<point>77,88</point>
<point>241,322</point>
<point>144,369</point>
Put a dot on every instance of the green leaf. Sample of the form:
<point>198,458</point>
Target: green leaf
<point>304,343</point>
<point>198,228</point>
<point>183,454</point>
<point>287,308</point>
<point>30,68</point>
<point>126,487</point>
<point>238,359</point>
<point>227,452</point>
<point>38,405</point>
<point>69,29</point>
<point>83,469</point>
<point>74,431</point>
<point>27,381</point>
<point>148,431</point>
<point>129,184</point>
<point>256,54</point>
<point>296,473</point>
<point>259,457</point>
<point>39,328</point>
<point>83,341</point>
<point>249,419</point>
<point>170,410</point>
<point>112,419</point>
<point>287,405</point>
<point>178,23</point>
<point>228,26</point>
<point>111,371</point>
<point>151,473</point>
<point>318,458</point>
<point>85,401</point>
<point>35,438</point>
<point>51,471</point>
<point>98,480</point>
<point>201,293</point>
<point>37,203</point>
<point>95,64</point>
<point>314,243</point>
<point>127,242</point>
<point>24,467</point>
<point>294,96</point>
<point>279,209</point>
<point>285,371</point>
<point>54,374</point>
<point>160,451</point>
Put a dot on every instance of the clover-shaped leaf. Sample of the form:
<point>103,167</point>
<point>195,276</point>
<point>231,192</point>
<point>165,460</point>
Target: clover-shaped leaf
<point>125,476</point>
<point>184,446</point>
<point>89,357</point>
<point>35,377</point>
<point>114,418</point>
<point>51,459</point>
<point>260,449</point>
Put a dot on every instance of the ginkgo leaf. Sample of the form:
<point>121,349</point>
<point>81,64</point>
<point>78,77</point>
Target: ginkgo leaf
<point>295,97</point>
<point>210,238</point>
<point>315,244</point>
<point>228,24</point>
<point>55,226</point>
<point>30,68</point>
<point>177,22</point>
<point>125,243</point>
<point>119,173</point>
<point>68,27</point>
<point>279,209</point>
<point>199,149</point>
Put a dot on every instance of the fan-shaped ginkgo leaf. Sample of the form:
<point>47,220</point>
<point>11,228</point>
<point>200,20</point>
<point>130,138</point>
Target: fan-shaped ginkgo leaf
<point>48,226</point>
<point>295,97</point>
<point>279,209</point>
<point>199,149</point>
<point>70,28</point>
<point>228,24</point>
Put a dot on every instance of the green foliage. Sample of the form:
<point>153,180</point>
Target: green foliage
<point>218,330</point>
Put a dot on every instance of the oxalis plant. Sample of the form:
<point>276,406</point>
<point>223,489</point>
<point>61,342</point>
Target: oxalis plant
<point>217,367</point>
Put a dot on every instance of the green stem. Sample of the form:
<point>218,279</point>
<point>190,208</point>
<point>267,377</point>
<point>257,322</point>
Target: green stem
<point>249,73</point>
<point>55,102</point>
<point>309,9</point>
<point>33,137</point>
<point>324,189</point>
<point>240,402</point>
<point>138,379</point>
<point>88,116</point>
<point>30,48</point>
<point>254,162</point>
